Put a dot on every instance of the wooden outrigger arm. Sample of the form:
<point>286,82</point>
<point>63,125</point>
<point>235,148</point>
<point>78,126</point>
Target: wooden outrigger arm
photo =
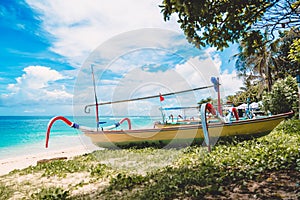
<point>87,107</point>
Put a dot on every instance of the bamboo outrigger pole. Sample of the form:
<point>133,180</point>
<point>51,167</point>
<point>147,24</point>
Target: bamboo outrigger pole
<point>96,99</point>
<point>87,110</point>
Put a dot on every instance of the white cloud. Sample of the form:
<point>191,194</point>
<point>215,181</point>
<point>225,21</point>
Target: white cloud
<point>198,71</point>
<point>230,83</point>
<point>80,26</point>
<point>36,77</point>
<point>37,85</point>
<point>212,53</point>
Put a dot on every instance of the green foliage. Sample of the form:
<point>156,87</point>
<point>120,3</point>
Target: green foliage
<point>99,170</point>
<point>256,59</point>
<point>285,57</point>
<point>294,53</point>
<point>124,181</point>
<point>51,194</point>
<point>289,127</point>
<point>253,92</point>
<point>266,62</point>
<point>283,97</point>
<point>207,100</point>
<point>208,18</point>
<point>263,59</point>
<point>219,23</point>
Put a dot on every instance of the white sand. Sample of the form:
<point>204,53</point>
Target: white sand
<point>32,154</point>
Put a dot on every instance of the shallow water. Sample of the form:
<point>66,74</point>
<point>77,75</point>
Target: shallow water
<point>21,135</point>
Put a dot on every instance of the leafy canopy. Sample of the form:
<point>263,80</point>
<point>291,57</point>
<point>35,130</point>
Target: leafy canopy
<point>219,23</point>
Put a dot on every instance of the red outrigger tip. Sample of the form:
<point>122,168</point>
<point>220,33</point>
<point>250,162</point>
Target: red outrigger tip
<point>51,122</point>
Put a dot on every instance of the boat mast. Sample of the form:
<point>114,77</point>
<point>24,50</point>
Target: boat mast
<point>219,97</point>
<point>216,82</point>
<point>161,99</point>
<point>96,99</point>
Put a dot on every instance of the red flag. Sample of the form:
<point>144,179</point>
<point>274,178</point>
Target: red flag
<point>161,98</point>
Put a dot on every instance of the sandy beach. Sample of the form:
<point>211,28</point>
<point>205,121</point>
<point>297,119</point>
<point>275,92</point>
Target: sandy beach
<point>18,160</point>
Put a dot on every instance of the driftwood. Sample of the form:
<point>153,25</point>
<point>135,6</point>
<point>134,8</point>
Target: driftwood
<point>51,159</point>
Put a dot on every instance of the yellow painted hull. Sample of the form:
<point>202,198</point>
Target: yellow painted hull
<point>186,133</point>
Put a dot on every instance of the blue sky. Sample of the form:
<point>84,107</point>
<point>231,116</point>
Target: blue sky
<point>46,44</point>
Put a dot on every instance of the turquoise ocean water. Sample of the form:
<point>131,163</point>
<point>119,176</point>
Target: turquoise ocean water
<point>21,135</point>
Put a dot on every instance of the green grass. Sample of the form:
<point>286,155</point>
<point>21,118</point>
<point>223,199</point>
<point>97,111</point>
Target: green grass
<point>151,173</point>
<point>197,173</point>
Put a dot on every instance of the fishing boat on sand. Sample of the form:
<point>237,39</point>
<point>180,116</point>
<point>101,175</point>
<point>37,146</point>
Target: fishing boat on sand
<point>184,131</point>
<point>176,134</point>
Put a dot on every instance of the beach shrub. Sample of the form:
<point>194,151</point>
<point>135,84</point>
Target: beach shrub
<point>125,181</point>
<point>291,127</point>
<point>283,97</point>
<point>99,170</point>
<point>5,191</point>
<point>51,193</point>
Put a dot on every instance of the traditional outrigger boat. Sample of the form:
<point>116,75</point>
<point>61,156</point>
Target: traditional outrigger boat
<point>181,134</point>
<point>187,132</point>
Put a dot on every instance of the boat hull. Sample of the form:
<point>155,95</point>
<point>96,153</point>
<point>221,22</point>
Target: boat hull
<point>184,134</point>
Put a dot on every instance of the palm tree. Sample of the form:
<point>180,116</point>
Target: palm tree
<point>257,60</point>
